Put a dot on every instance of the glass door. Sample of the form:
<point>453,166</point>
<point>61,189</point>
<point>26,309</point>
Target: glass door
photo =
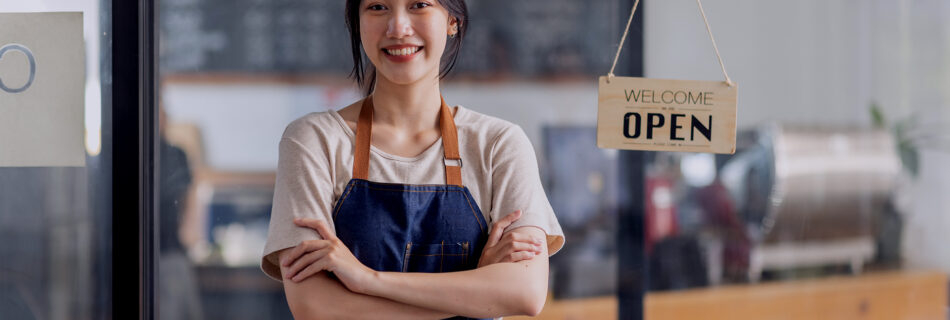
<point>55,160</point>
<point>234,74</point>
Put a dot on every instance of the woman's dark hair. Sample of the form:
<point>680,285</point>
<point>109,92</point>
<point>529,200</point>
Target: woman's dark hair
<point>365,74</point>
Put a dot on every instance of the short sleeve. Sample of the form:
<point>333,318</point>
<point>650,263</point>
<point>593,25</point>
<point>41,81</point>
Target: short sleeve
<point>303,189</point>
<point>516,184</point>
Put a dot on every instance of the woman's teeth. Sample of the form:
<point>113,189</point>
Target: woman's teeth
<point>403,51</point>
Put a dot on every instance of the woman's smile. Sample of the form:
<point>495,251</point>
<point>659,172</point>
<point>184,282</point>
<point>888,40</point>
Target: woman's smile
<point>401,53</point>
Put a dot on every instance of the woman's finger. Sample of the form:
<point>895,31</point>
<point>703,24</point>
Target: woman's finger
<point>507,247</point>
<point>308,222</point>
<point>291,257</point>
<point>305,261</point>
<point>324,229</point>
<point>511,218</point>
<point>320,225</point>
<point>302,249</point>
<point>520,256</point>
<point>499,227</point>
<point>312,269</point>
<point>305,222</point>
<point>515,236</point>
<point>522,246</point>
<point>493,237</point>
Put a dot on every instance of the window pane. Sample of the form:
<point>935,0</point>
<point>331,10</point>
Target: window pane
<point>55,219</point>
<point>817,194</point>
<point>829,206</point>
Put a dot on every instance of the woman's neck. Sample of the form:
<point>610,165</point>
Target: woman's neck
<point>413,107</point>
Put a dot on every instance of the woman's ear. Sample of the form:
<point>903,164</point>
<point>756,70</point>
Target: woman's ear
<point>453,26</point>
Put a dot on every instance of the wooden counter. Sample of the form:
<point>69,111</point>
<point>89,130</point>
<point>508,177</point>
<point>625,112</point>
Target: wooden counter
<point>890,295</point>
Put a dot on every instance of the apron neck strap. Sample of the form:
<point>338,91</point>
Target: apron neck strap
<point>450,143</point>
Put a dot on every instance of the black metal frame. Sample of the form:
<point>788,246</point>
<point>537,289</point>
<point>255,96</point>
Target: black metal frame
<point>132,119</point>
<point>632,272</point>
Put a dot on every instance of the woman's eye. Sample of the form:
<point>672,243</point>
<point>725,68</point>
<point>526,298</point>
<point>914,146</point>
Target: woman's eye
<point>420,5</point>
<point>376,7</point>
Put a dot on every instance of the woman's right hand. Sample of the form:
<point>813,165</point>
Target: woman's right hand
<point>510,247</point>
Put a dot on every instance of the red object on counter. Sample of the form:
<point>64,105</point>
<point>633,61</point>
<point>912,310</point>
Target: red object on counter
<point>660,217</point>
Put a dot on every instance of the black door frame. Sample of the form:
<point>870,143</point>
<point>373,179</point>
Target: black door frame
<point>632,272</point>
<point>131,117</point>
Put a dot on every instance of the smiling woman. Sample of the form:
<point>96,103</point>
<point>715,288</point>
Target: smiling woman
<point>374,214</point>
<point>456,16</point>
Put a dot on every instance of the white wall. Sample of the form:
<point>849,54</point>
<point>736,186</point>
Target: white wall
<point>242,123</point>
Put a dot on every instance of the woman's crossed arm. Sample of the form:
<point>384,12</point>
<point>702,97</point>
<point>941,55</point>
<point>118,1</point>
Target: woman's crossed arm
<point>321,297</point>
<point>500,289</point>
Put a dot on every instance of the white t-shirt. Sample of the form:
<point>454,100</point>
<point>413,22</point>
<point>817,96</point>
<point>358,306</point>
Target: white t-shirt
<point>499,168</point>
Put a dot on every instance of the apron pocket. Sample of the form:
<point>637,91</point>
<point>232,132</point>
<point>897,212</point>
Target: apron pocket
<point>437,257</point>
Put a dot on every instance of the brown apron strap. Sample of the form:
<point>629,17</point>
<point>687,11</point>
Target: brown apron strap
<point>364,135</point>
<point>450,143</point>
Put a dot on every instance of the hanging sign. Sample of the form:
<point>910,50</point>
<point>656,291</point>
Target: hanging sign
<point>666,115</point>
<point>42,86</point>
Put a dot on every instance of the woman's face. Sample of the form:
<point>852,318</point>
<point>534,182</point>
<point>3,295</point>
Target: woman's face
<point>404,39</point>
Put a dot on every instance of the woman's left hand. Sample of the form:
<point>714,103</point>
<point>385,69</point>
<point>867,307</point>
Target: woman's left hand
<point>330,254</point>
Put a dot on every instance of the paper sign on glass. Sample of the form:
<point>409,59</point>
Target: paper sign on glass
<point>666,115</point>
<point>42,79</point>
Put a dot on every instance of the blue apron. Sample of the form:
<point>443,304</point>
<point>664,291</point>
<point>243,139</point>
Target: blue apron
<point>410,228</point>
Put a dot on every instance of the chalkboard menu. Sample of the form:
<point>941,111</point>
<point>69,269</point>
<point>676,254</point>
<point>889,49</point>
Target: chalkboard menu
<point>524,38</point>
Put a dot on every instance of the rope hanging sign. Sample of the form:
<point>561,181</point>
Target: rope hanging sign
<point>666,115</point>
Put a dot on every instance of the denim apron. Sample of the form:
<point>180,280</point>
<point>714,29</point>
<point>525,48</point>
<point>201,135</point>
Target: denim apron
<point>410,228</point>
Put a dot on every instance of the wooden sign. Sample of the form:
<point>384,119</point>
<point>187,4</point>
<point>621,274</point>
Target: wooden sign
<point>666,115</point>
